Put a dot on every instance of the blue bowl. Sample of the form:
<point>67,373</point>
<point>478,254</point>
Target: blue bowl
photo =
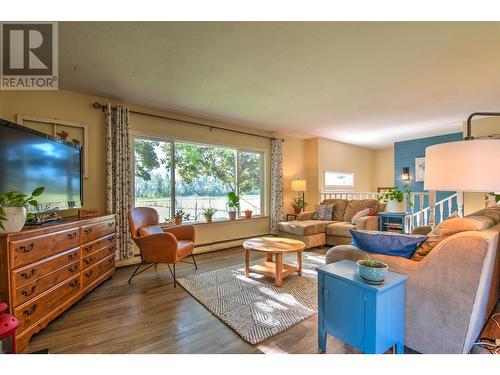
<point>370,274</point>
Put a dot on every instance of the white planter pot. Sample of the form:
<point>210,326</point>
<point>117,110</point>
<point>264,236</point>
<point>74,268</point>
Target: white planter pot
<point>395,206</point>
<point>232,215</point>
<point>16,218</point>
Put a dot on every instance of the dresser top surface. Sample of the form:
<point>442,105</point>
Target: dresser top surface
<point>347,270</point>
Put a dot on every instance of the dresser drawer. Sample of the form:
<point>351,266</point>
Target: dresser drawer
<point>97,245</point>
<point>91,274</point>
<point>37,287</point>
<point>27,274</point>
<point>34,310</point>
<point>94,231</point>
<point>32,249</point>
<point>91,259</point>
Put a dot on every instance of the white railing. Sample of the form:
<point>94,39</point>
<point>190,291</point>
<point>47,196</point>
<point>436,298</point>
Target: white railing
<point>348,194</point>
<point>427,214</point>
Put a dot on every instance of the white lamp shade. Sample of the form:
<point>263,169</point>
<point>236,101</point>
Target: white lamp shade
<point>299,185</point>
<point>463,166</point>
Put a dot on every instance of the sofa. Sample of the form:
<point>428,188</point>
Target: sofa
<point>450,292</point>
<point>315,233</point>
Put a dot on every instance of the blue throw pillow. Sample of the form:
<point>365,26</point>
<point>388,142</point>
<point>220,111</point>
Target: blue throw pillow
<point>387,243</point>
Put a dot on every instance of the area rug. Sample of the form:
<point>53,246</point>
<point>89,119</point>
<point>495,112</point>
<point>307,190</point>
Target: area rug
<point>254,307</point>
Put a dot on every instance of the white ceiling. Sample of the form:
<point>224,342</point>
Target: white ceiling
<point>366,83</point>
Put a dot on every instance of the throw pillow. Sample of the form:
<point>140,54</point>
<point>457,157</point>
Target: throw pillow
<point>387,243</point>
<point>358,215</point>
<point>448,228</point>
<point>323,212</point>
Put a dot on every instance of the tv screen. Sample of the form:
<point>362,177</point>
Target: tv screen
<point>29,159</point>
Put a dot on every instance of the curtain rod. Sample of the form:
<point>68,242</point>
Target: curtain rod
<point>98,105</point>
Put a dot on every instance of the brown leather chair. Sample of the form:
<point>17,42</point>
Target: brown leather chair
<point>159,245</point>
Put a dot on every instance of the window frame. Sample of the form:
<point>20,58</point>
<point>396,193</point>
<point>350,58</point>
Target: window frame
<point>339,186</point>
<point>173,140</point>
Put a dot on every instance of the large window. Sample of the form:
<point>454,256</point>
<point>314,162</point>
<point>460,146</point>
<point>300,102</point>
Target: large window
<point>172,176</point>
<point>339,179</point>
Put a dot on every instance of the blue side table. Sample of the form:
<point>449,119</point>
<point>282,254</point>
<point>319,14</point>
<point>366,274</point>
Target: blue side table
<point>392,221</point>
<point>368,317</point>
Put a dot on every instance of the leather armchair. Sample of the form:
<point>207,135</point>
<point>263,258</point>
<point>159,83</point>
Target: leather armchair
<point>160,245</point>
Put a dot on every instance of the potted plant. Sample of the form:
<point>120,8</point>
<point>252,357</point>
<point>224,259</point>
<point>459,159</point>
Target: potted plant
<point>233,202</point>
<point>179,216</point>
<point>372,271</point>
<point>208,213</point>
<point>395,198</point>
<point>13,209</point>
<point>248,214</point>
<point>298,204</point>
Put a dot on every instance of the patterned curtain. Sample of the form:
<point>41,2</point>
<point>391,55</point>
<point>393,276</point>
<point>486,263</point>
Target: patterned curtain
<point>277,209</point>
<point>118,175</point>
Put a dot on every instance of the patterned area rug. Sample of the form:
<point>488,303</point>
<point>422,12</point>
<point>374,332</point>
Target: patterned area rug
<point>254,307</point>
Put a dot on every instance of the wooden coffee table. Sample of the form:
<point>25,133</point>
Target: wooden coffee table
<point>274,246</point>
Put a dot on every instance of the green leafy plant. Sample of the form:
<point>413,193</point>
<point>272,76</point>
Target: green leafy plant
<point>397,194</point>
<point>180,214</point>
<point>299,201</point>
<point>233,201</point>
<point>208,212</point>
<point>372,263</point>
<point>16,199</point>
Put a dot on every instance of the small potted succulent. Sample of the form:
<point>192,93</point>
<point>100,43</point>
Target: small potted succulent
<point>298,204</point>
<point>233,202</point>
<point>179,216</point>
<point>248,214</point>
<point>208,213</point>
<point>372,271</point>
<point>13,209</point>
<point>395,198</point>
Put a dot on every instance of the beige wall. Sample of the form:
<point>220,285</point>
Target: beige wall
<point>294,167</point>
<point>480,128</point>
<point>384,167</point>
<point>74,106</point>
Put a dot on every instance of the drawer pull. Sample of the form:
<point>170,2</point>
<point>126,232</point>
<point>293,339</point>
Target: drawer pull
<point>72,236</point>
<point>28,275</point>
<point>88,230</point>
<point>111,260</point>
<point>111,239</point>
<point>110,225</point>
<point>26,249</point>
<point>87,249</point>
<point>74,283</point>
<point>88,260</point>
<point>30,311</point>
<point>28,293</point>
<point>72,256</point>
<point>73,269</point>
<point>89,274</point>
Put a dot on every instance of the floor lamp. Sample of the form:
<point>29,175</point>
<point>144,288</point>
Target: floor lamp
<point>469,165</point>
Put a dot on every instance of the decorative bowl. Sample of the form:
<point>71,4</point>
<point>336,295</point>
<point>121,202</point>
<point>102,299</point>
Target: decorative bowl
<point>374,275</point>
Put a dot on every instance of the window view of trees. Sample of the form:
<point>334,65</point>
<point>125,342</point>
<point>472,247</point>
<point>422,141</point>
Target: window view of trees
<point>203,176</point>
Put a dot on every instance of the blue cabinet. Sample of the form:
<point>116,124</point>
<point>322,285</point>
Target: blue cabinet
<point>392,221</point>
<point>367,317</point>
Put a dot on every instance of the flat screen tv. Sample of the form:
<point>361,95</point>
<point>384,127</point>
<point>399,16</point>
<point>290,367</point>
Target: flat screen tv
<point>29,159</point>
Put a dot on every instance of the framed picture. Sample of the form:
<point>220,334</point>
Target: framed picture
<point>419,169</point>
<point>73,132</point>
<point>383,189</point>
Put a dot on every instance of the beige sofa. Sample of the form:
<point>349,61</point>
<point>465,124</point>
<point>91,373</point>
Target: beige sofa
<point>451,291</point>
<point>333,232</point>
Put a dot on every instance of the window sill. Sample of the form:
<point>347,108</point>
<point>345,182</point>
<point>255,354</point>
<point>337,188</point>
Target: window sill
<point>220,221</point>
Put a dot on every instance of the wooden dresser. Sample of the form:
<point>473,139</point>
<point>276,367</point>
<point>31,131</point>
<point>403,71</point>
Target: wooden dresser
<point>45,270</point>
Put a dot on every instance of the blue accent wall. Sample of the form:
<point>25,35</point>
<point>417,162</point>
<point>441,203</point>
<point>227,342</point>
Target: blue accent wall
<point>404,156</point>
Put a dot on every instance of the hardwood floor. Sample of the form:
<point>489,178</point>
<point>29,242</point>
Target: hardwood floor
<point>151,316</point>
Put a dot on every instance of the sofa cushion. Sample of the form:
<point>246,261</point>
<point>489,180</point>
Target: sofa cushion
<point>448,228</point>
<point>152,229</point>
<point>304,227</point>
<point>323,212</point>
<point>339,229</point>
<point>388,243</point>
<point>492,212</point>
<point>356,205</point>
<point>338,209</point>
